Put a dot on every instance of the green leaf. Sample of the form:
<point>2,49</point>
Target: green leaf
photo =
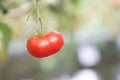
<point>6,33</point>
<point>75,2</point>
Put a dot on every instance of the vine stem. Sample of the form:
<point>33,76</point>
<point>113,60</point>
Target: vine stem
<point>39,17</point>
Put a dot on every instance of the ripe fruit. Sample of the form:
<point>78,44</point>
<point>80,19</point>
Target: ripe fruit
<point>45,45</point>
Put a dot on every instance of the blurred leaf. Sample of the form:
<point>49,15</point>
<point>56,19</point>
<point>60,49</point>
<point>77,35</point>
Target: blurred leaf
<point>75,2</point>
<point>3,8</point>
<point>6,36</point>
<point>54,9</point>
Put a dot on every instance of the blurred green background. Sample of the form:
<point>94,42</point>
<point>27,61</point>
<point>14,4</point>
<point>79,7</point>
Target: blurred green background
<point>91,30</point>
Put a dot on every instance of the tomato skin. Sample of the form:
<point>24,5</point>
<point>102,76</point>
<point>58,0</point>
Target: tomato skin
<point>46,45</point>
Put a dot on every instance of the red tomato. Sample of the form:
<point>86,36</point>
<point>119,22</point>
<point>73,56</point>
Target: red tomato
<point>46,45</point>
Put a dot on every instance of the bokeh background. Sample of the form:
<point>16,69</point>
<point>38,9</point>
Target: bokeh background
<point>91,31</point>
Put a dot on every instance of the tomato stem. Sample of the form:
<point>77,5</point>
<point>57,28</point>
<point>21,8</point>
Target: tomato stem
<point>39,17</point>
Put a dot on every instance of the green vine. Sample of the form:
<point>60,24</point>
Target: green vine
<point>39,17</point>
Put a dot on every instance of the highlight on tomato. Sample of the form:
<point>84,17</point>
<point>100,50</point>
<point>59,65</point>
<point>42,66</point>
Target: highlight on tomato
<point>45,45</point>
